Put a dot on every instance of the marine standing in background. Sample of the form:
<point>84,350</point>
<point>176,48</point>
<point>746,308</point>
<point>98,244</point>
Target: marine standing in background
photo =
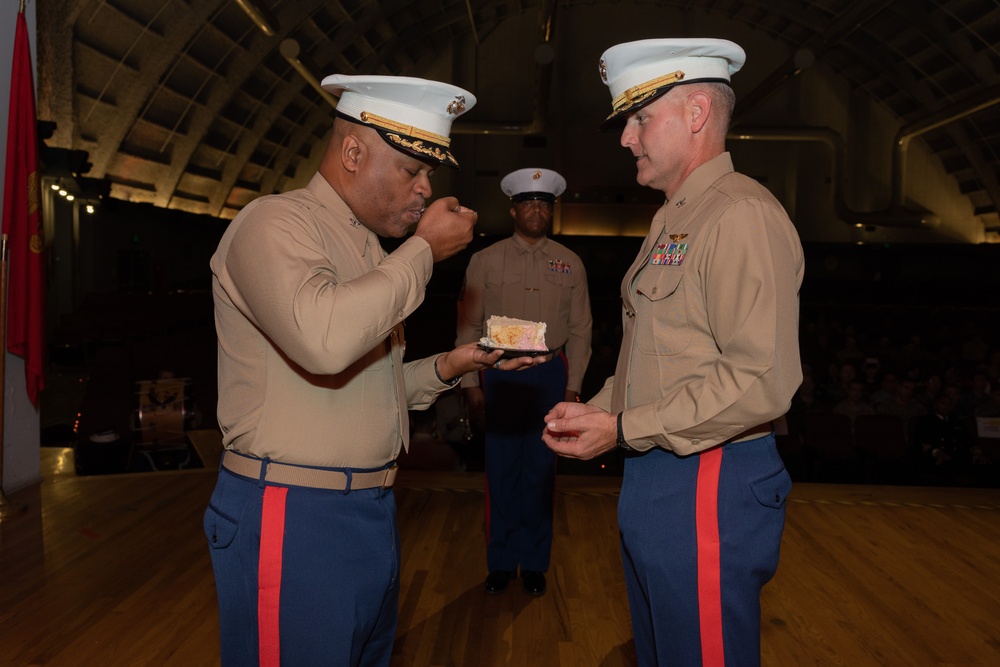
<point>709,357</point>
<point>527,276</point>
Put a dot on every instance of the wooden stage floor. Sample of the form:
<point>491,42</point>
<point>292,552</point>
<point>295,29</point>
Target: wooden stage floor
<point>114,570</point>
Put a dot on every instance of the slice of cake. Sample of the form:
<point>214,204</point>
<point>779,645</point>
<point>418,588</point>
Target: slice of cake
<point>514,334</point>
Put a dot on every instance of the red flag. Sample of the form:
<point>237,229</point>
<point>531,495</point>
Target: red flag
<point>22,221</point>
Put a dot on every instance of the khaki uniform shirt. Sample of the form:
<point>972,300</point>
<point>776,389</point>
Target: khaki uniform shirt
<point>541,282</point>
<point>710,317</point>
<point>309,312</point>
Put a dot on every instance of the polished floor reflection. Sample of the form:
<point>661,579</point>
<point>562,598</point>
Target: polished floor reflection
<point>113,570</point>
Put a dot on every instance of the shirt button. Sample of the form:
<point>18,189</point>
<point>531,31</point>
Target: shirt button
<point>654,290</point>
<point>696,442</point>
<point>400,314</point>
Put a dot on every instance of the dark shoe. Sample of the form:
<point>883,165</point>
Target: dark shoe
<point>533,583</point>
<point>497,581</point>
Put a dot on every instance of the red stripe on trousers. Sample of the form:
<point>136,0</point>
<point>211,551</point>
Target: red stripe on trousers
<point>709,564</point>
<point>272,537</point>
<point>486,478</point>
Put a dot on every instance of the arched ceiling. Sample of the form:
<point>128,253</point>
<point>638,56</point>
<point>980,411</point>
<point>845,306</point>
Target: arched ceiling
<point>189,104</point>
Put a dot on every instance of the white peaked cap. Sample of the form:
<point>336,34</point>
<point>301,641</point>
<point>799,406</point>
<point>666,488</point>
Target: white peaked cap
<point>533,183</point>
<point>639,72</point>
<point>412,115</point>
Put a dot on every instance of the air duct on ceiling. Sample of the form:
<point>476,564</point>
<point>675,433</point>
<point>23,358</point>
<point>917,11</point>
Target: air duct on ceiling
<point>544,56</point>
<point>894,216</point>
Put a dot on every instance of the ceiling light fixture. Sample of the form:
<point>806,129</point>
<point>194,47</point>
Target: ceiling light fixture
<point>262,18</point>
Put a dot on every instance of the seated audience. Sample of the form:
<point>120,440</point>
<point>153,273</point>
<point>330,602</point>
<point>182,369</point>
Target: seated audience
<point>947,447</point>
<point>903,403</point>
<point>854,403</point>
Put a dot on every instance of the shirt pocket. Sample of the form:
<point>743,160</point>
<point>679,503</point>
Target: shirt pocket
<point>555,296</point>
<point>505,294</point>
<point>661,309</point>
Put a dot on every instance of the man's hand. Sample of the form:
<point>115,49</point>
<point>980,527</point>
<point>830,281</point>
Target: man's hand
<point>447,226</point>
<point>579,431</point>
<point>470,357</point>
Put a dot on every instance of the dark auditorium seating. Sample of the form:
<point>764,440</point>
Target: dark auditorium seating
<point>883,443</point>
<point>829,447</point>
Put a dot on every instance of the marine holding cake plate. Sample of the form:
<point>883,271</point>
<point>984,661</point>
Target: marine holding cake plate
<point>526,295</point>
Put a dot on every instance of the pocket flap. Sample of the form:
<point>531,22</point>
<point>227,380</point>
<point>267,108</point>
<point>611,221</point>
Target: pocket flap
<point>659,282</point>
<point>220,530</point>
<point>772,491</point>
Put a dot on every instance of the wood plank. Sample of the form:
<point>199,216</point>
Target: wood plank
<point>113,570</point>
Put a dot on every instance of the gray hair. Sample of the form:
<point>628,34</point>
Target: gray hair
<point>724,100</point>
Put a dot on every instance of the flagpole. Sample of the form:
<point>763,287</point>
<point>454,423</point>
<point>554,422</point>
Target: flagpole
<point>7,508</point>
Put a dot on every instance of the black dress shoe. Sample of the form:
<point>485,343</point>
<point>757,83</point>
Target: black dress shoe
<point>533,583</point>
<point>497,581</point>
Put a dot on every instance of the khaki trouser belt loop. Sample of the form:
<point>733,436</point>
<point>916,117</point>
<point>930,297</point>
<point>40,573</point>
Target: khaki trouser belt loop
<point>316,478</point>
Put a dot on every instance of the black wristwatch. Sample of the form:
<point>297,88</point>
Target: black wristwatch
<point>621,435</point>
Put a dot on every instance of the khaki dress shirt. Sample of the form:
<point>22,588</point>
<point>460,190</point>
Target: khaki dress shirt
<point>710,317</point>
<point>309,312</point>
<point>541,282</point>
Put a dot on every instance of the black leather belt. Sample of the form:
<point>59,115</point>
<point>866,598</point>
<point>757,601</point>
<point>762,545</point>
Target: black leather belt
<point>316,478</point>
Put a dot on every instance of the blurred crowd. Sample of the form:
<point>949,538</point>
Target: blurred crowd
<point>936,374</point>
<point>889,395</point>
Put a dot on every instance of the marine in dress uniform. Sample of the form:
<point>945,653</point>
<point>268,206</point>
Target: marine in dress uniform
<point>527,276</point>
<point>313,389</point>
<point>709,357</point>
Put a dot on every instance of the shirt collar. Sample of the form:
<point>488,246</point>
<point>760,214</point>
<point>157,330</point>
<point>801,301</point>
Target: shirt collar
<point>328,197</point>
<point>701,179</point>
<point>523,246</point>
